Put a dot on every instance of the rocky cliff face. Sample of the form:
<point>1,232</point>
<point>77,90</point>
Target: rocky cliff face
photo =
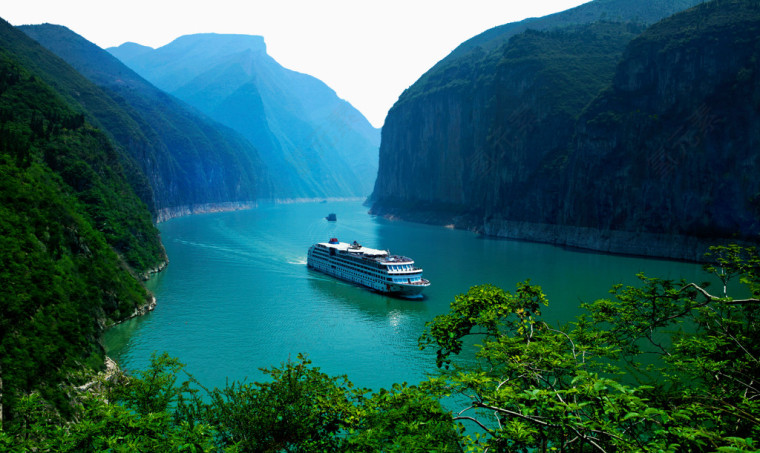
<point>474,146</point>
<point>660,163</point>
<point>672,146</point>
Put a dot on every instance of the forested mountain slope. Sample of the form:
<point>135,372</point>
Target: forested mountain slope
<point>190,161</point>
<point>317,144</point>
<point>537,139</point>
<point>74,236</point>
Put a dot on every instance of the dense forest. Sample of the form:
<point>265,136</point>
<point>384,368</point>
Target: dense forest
<point>74,239</point>
<point>659,366</point>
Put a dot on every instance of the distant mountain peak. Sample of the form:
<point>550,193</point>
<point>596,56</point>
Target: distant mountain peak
<point>316,144</point>
<point>225,43</point>
<point>133,49</point>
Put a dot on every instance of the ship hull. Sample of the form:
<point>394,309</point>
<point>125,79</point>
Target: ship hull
<point>365,275</point>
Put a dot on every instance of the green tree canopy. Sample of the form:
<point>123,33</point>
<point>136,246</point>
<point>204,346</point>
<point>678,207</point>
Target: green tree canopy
<point>665,366</point>
<point>661,366</point>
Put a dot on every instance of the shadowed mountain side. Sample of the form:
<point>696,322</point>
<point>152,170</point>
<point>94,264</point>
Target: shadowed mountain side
<point>518,141</point>
<point>672,147</point>
<point>192,162</point>
<point>317,144</point>
<point>73,233</point>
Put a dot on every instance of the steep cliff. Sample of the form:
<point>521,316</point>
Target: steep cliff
<point>571,141</point>
<point>316,144</point>
<point>672,147</point>
<point>191,162</point>
<point>475,145</point>
<point>476,122</point>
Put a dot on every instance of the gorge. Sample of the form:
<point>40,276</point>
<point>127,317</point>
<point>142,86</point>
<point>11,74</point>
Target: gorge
<point>313,143</point>
<point>629,127</point>
<point>634,144</point>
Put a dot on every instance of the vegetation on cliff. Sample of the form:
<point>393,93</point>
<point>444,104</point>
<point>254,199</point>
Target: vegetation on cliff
<point>625,150</point>
<point>478,142</point>
<point>186,158</point>
<point>74,236</point>
<point>670,147</point>
<point>663,366</point>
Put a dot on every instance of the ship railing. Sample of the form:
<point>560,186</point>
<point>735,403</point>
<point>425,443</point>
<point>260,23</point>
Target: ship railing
<point>404,271</point>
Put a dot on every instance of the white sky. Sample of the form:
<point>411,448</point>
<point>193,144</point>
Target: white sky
<point>369,52</point>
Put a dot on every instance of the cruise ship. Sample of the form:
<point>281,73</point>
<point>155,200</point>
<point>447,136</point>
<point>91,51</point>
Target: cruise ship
<point>375,269</point>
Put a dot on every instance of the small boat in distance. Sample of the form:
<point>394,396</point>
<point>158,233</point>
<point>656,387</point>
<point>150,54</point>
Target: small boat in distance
<point>377,270</point>
<point>331,217</point>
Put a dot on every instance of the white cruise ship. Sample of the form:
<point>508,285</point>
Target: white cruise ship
<point>374,269</point>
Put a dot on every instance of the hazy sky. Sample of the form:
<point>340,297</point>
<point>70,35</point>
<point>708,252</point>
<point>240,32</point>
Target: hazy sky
<point>369,52</point>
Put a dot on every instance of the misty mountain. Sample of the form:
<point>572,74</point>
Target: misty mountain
<point>316,144</point>
<point>192,162</point>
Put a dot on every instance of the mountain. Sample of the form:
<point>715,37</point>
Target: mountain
<point>508,139</point>
<point>73,232</point>
<point>671,148</point>
<point>316,144</point>
<point>479,140</point>
<point>191,162</point>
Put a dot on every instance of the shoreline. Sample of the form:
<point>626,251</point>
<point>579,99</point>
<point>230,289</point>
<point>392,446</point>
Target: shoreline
<point>616,242</point>
<point>166,214</point>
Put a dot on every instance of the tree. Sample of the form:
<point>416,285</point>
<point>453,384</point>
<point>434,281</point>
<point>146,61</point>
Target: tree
<point>300,409</point>
<point>664,366</point>
<point>117,413</point>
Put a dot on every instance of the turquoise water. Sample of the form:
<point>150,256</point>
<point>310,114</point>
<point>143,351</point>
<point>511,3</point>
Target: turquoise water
<point>237,295</point>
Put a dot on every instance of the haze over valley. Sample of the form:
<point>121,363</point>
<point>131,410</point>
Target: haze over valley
<point>590,139</point>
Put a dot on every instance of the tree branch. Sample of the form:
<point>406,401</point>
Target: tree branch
<point>474,420</point>
<point>714,298</point>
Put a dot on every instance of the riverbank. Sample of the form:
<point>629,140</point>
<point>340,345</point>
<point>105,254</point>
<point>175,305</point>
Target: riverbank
<point>206,208</point>
<point>632,243</point>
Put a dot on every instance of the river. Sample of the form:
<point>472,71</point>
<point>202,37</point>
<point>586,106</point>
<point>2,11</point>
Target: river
<point>237,294</point>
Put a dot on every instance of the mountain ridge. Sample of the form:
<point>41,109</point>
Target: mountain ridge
<point>75,235</point>
<point>489,128</point>
<point>318,144</point>
<point>190,160</point>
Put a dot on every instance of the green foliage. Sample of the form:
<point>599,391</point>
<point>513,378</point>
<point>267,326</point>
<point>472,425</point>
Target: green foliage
<point>142,422</point>
<point>478,53</point>
<point>301,409</point>
<point>664,366</point>
<point>36,124</point>
<point>70,228</point>
<point>404,419</point>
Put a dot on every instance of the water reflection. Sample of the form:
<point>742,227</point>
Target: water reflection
<point>374,305</point>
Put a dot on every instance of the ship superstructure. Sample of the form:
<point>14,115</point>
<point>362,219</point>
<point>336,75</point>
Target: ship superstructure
<point>372,268</point>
